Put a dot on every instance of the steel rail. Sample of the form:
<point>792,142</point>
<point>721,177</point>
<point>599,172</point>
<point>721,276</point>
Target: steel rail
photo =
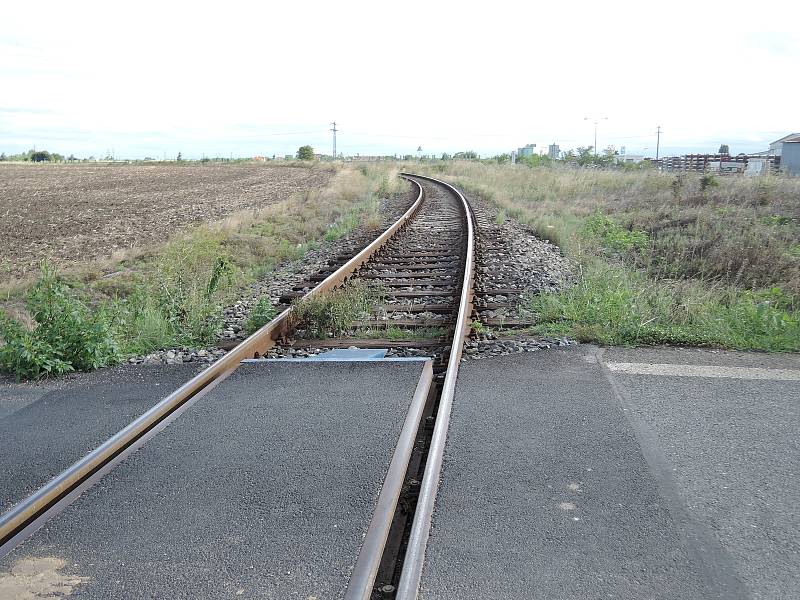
<point>369,557</point>
<point>25,517</point>
<point>408,587</point>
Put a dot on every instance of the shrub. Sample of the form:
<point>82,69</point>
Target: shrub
<point>67,335</point>
<point>707,181</point>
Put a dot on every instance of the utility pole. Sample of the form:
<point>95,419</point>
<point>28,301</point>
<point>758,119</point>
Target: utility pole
<point>658,140</point>
<point>596,119</point>
<point>334,139</point>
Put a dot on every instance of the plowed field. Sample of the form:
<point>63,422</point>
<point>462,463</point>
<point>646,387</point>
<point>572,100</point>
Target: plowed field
<point>77,213</point>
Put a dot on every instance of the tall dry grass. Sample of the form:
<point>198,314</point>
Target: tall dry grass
<point>734,230</point>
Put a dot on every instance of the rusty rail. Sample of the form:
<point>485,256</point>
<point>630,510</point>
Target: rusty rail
<point>420,529</point>
<point>24,518</point>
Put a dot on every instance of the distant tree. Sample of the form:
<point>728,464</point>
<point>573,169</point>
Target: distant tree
<point>534,160</point>
<point>40,156</point>
<point>446,156</point>
<point>180,157</point>
<point>408,157</point>
<point>468,155</point>
<point>72,158</point>
<point>305,153</point>
<point>503,158</point>
<point>723,149</point>
<point>585,155</point>
<point>3,156</point>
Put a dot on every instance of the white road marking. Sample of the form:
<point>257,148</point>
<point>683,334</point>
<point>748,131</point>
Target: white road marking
<point>704,371</point>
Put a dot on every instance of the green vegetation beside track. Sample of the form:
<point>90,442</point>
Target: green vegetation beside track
<point>659,258</point>
<point>174,295</point>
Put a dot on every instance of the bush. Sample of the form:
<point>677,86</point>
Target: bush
<point>67,335</point>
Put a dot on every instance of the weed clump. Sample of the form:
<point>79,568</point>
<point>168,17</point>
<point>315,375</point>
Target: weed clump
<point>180,303</point>
<point>263,312</point>
<point>331,314</point>
<point>613,236</point>
<point>191,280</point>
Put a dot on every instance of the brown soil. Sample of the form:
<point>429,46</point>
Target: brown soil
<point>73,214</point>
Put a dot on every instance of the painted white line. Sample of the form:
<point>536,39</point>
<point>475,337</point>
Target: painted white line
<point>704,371</point>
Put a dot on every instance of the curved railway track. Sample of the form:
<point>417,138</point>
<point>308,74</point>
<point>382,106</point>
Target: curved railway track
<point>425,262</point>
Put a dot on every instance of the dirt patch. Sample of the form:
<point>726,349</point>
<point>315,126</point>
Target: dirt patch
<point>79,213</point>
<point>38,578</point>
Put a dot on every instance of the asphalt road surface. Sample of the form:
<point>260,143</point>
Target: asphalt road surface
<point>47,426</point>
<point>263,488</point>
<point>583,473</point>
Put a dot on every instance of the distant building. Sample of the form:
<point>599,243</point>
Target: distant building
<point>788,148</point>
<point>776,147</point>
<point>553,151</point>
<point>527,150</point>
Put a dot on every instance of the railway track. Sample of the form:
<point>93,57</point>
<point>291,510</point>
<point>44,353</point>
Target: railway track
<point>425,263</point>
<point>420,276</point>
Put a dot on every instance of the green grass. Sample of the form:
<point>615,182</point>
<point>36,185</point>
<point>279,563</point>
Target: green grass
<point>331,314</point>
<point>621,306</point>
<point>261,314</point>
<point>397,334</point>
<point>359,213</point>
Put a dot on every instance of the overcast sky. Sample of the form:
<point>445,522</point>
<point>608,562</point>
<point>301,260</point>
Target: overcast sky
<point>262,78</point>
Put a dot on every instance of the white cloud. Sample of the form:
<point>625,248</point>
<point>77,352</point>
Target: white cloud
<point>215,78</point>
